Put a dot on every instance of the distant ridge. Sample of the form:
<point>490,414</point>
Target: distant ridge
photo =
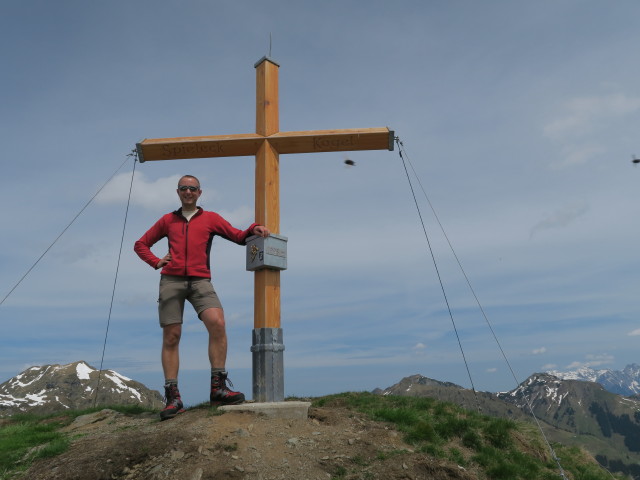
<point>421,386</point>
<point>622,382</point>
<point>52,388</point>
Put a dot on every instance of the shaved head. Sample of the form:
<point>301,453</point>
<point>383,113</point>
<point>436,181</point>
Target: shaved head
<point>189,176</point>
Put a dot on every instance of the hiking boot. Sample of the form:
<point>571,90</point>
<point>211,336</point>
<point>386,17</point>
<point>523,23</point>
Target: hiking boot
<point>174,402</point>
<point>221,394</point>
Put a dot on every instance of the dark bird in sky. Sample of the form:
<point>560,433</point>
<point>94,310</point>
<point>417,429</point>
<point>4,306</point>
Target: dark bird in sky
<point>350,163</point>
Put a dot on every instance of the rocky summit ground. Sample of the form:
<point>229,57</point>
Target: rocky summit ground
<point>333,443</point>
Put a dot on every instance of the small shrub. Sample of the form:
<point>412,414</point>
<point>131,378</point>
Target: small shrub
<point>422,431</point>
<point>433,450</point>
<point>498,431</point>
<point>392,453</point>
<point>53,448</point>
<point>486,457</point>
<point>232,447</point>
<point>503,471</point>
<point>456,456</point>
<point>472,440</point>
<point>452,426</point>
<point>400,416</point>
<point>360,461</point>
<point>527,467</point>
<point>339,472</point>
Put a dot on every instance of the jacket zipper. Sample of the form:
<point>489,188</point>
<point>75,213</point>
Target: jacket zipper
<point>186,248</point>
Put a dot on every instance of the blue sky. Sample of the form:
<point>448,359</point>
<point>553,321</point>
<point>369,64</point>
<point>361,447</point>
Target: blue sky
<point>520,119</point>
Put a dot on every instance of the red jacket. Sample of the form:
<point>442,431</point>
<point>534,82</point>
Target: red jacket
<point>189,242</point>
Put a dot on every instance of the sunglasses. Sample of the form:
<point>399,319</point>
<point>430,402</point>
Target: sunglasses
<point>184,188</point>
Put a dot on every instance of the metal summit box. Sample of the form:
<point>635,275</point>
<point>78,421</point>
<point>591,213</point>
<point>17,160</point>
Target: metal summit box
<point>269,252</point>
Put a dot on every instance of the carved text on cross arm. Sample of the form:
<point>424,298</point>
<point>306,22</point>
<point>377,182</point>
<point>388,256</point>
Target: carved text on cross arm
<point>187,149</point>
<point>323,143</point>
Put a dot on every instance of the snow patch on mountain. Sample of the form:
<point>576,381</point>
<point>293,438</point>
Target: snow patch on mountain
<point>53,388</point>
<point>622,382</point>
<point>84,371</point>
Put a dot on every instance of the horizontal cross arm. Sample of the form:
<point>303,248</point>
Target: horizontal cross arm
<point>332,140</point>
<point>239,145</point>
<point>199,147</point>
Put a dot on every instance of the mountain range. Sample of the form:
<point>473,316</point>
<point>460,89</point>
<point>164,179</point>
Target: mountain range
<point>623,382</point>
<point>571,412</point>
<point>52,388</point>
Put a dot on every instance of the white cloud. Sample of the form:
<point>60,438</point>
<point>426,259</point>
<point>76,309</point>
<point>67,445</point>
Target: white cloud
<point>538,351</point>
<point>492,370</point>
<point>549,366</point>
<point>600,359</point>
<point>419,349</point>
<point>581,115</point>
<point>578,155</point>
<point>634,333</point>
<point>240,217</point>
<point>573,365</point>
<point>584,119</point>
<point>157,194</point>
<point>592,360</point>
<point>160,194</point>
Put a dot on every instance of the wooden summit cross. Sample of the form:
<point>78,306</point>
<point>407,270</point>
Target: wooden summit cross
<point>266,144</point>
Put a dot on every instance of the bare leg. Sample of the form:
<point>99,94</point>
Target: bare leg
<point>170,352</point>
<point>213,319</point>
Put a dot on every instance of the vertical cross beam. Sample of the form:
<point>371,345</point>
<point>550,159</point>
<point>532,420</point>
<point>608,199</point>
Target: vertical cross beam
<point>267,346</point>
<point>267,201</point>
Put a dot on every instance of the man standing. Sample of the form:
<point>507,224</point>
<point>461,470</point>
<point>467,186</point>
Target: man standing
<point>186,275</point>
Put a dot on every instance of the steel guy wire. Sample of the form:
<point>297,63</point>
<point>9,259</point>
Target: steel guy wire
<point>403,153</point>
<point>64,230</point>
<point>115,280</point>
<point>435,264</point>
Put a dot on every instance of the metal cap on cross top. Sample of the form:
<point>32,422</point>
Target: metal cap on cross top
<point>267,144</point>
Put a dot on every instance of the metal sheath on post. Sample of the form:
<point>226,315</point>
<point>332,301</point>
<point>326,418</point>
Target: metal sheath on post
<point>268,365</point>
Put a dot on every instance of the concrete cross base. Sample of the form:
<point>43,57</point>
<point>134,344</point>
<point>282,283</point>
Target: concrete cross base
<point>288,410</point>
<point>268,365</point>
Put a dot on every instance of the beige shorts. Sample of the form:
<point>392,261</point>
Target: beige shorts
<point>174,290</point>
